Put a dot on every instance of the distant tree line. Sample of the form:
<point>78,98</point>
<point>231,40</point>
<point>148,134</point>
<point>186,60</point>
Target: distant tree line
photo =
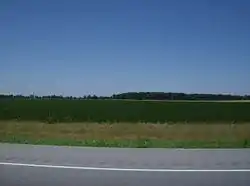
<point>177,96</point>
<point>4,96</point>
<point>138,96</point>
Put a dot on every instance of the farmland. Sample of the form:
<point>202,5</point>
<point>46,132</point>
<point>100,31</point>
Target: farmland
<point>115,111</point>
<point>125,123</point>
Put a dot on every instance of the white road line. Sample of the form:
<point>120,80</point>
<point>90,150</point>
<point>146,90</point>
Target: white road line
<point>123,169</point>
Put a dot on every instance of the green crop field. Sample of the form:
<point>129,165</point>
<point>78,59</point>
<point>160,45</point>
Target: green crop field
<point>115,111</point>
<point>125,123</point>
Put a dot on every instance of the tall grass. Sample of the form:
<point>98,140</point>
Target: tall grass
<point>127,134</point>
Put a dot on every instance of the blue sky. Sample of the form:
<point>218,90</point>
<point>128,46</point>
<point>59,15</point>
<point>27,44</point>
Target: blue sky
<point>102,47</point>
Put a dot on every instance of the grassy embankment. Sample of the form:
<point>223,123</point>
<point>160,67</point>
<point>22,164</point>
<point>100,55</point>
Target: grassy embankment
<point>126,123</point>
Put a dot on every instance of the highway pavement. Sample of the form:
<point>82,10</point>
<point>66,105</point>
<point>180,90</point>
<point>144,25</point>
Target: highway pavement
<point>28,165</point>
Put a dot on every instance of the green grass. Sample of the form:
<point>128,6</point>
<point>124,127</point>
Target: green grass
<point>138,135</point>
<point>124,111</point>
<point>146,143</point>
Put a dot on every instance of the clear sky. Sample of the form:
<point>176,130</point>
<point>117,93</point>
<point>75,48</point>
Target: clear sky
<point>101,47</point>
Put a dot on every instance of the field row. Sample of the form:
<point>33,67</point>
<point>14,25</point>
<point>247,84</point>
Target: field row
<point>124,111</point>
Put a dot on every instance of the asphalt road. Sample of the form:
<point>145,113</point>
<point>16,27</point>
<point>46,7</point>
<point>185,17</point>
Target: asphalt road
<point>28,165</point>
